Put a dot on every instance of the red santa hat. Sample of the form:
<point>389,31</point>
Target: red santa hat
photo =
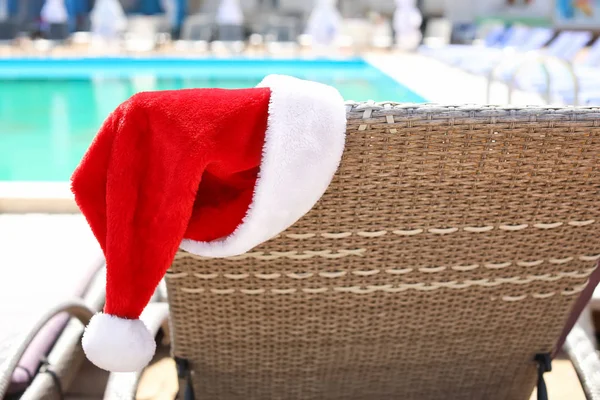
<point>212,171</point>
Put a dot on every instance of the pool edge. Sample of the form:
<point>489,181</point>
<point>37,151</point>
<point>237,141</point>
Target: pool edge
<point>36,197</point>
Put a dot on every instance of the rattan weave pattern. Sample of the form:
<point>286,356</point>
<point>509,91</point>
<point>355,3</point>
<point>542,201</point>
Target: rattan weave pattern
<point>448,250</point>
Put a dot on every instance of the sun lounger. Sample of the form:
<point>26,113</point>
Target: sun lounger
<point>230,33</point>
<point>197,32</point>
<point>280,33</point>
<point>52,271</point>
<point>530,67</point>
<point>281,29</point>
<point>496,37</point>
<point>58,32</point>
<point>55,283</point>
<point>8,31</point>
<point>438,32</point>
<point>229,37</point>
<point>144,32</point>
<point>429,269</point>
<point>523,41</point>
<point>570,81</point>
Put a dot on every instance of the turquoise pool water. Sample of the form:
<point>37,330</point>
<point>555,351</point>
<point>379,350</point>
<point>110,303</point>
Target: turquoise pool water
<point>50,109</point>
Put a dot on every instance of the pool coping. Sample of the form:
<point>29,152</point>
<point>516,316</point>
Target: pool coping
<point>164,67</point>
<point>36,197</point>
<point>56,197</point>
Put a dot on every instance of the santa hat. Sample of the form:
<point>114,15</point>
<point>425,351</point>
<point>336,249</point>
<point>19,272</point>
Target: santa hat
<point>212,171</point>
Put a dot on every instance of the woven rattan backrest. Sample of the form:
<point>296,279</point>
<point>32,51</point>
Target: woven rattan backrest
<point>447,252</point>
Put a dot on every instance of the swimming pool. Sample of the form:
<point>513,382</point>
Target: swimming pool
<point>50,109</point>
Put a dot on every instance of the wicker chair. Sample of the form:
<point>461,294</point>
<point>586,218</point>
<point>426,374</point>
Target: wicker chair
<point>449,251</point>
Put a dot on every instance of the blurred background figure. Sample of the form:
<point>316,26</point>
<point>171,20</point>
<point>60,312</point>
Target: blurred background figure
<point>382,32</point>
<point>3,10</point>
<point>230,13</point>
<point>79,14</point>
<point>324,23</point>
<point>407,24</point>
<point>170,9</point>
<point>55,20</point>
<point>108,20</point>
<point>230,29</point>
<point>54,12</point>
<point>156,16</point>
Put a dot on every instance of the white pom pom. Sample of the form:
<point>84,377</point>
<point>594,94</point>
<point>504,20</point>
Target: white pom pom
<point>118,344</point>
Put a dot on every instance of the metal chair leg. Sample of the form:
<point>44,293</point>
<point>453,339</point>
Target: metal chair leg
<point>186,390</point>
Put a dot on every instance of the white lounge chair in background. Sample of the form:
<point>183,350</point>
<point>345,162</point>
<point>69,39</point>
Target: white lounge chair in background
<point>574,80</point>
<point>8,28</point>
<point>323,25</point>
<point>196,33</point>
<point>229,27</point>
<point>507,41</point>
<point>356,34</point>
<point>438,32</point>
<point>495,37</point>
<point>8,31</point>
<point>523,40</point>
<point>146,32</point>
<point>280,33</point>
<point>407,23</point>
<point>54,14</point>
<point>531,66</point>
<point>55,27</point>
<point>108,22</point>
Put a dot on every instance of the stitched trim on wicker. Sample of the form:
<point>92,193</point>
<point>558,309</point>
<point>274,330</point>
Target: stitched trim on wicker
<point>294,255</point>
<point>391,271</point>
<point>352,105</point>
<point>384,288</point>
<point>438,231</point>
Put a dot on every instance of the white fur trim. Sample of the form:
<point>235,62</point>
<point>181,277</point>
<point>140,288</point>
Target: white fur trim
<point>118,344</point>
<point>304,142</point>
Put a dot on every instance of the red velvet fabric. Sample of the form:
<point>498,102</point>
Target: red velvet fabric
<point>163,167</point>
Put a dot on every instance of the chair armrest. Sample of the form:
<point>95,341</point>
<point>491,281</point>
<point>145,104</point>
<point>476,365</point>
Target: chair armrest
<point>584,356</point>
<point>10,360</point>
<point>124,385</point>
<point>568,65</point>
<point>526,60</point>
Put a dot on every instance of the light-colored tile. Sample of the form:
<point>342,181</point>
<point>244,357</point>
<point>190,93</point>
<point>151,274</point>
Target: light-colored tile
<point>562,382</point>
<point>443,84</point>
<point>159,381</point>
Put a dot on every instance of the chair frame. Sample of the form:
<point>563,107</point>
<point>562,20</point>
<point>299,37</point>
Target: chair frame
<point>66,356</point>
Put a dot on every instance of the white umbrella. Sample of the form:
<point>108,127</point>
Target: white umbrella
<point>108,19</point>
<point>407,22</point>
<point>54,12</point>
<point>230,13</point>
<point>3,10</point>
<point>324,22</point>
